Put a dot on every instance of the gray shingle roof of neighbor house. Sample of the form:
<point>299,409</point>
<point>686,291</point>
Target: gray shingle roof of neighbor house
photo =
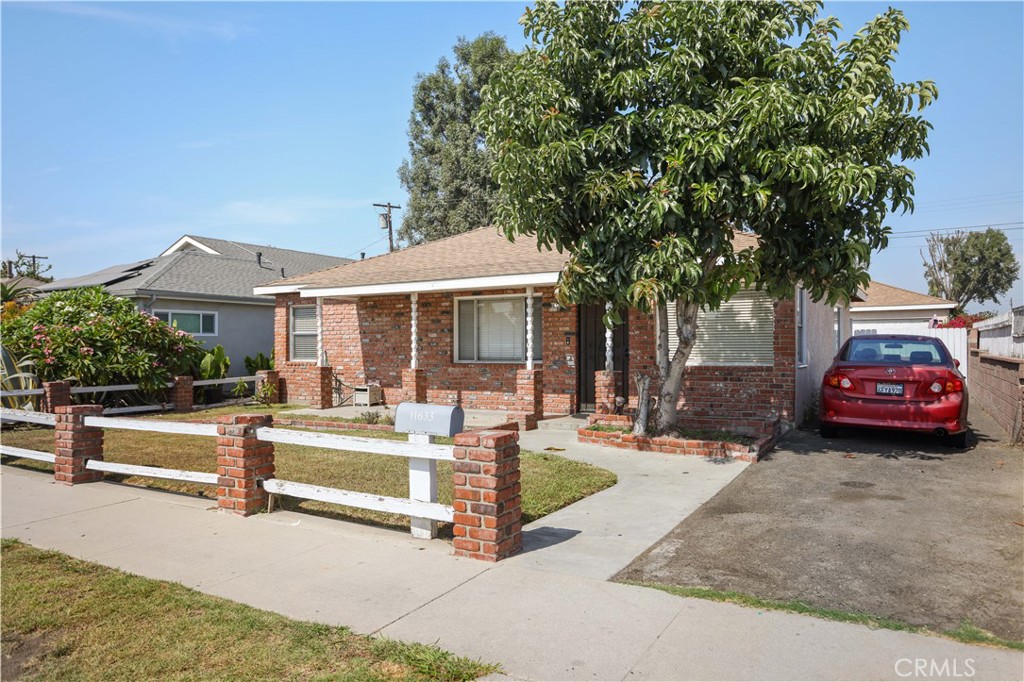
<point>231,273</point>
<point>480,253</point>
<point>879,295</point>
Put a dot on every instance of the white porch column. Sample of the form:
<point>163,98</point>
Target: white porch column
<point>414,340</point>
<point>608,358</point>
<point>529,328</point>
<point>321,360</point>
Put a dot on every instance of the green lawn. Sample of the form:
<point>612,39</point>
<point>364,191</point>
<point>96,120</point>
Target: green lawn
<point>65,619</point>
<point>549,482</point>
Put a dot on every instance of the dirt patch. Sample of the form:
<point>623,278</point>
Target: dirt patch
<point>890,524</point>
<point>22,654</point>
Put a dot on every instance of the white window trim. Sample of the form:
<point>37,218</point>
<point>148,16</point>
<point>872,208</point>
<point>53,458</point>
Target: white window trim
<point>455,331</point>
<point>291,335</point>
<point>216,319</point>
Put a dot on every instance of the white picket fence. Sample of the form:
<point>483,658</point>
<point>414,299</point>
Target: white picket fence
<point>423,454</point>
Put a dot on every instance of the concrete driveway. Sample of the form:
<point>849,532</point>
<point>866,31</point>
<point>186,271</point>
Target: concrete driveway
<point>888,524</point>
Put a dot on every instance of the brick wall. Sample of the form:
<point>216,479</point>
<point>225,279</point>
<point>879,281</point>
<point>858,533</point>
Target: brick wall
<point>368,341</point>
<point>997,385</point>
<point>739,392</point>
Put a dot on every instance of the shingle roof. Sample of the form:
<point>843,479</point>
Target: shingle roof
<point>195,272</point>
<point>879,295</point>
<point>484,252</point>
<point>294,262</point>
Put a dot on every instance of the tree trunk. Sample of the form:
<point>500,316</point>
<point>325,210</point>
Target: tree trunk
<point>672,371</point>
<point>643,408</point>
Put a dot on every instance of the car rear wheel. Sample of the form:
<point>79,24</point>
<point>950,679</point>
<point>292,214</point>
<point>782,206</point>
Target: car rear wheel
<point>958,440</point>
<point>827,431</point>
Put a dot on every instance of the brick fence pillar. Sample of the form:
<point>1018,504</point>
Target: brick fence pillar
<point>530,397</point>
<point>606,386</point>
<point>181,394</point>
<point>56,394</point>
<point>488,515</point>
<point>414,385</point>
<point>76,444</point>
<point>323,387</point>
<point>272,377</point>
<point>242,461</point>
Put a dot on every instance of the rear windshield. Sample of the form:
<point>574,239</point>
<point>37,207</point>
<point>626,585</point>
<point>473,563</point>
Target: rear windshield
<point>924,352</point>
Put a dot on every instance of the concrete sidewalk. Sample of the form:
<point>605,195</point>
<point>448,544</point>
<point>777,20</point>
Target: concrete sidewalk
<point>546,614</point>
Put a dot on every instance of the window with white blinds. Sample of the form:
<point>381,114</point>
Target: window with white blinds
<point>493,329</point>
<point>741,332</point>
<point>303,332</point>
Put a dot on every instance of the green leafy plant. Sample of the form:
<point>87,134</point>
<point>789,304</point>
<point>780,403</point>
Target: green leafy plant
<point>264,394</point>
<point>260,362</point>
<point>215,364</point>
<point>241,388</point>
<point>370,417</point>
<point>17,375</point>
<point>99,339</point>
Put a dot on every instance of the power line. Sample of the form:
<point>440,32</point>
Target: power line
<point>999,226</point>
<point>363,248</point>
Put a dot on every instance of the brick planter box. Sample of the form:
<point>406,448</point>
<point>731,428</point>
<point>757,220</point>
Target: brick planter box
<point>766,440</point>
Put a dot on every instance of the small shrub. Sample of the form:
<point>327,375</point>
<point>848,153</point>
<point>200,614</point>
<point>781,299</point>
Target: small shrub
<point>370,417</point>
<point>260,362</point>
<point>264,394</point>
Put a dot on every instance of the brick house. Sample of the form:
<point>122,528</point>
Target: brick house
<point>448,322</point>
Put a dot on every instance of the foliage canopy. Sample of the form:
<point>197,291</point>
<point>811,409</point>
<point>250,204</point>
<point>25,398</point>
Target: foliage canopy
<point>640,136</point>
<point>448,174</point>
<point>970,268</point>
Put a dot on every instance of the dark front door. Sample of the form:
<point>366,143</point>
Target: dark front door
<point>592,357</point>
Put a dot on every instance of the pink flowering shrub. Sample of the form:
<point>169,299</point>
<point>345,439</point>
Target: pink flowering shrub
<point>100,340</point>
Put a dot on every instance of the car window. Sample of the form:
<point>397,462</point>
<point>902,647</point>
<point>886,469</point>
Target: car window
<point>895,351</point>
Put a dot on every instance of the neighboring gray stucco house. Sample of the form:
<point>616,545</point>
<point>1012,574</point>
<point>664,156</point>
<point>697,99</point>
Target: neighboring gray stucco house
<point>205,286</point>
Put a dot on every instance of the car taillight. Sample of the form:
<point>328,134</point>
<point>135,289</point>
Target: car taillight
<point>954,385</point>
<point>937,387</point>
<point>839,380</point>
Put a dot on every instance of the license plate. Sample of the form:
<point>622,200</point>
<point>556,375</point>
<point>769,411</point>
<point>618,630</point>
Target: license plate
<point>888,389</point>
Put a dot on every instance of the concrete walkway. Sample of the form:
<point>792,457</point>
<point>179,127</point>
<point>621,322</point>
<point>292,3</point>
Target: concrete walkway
<point>547,614</point>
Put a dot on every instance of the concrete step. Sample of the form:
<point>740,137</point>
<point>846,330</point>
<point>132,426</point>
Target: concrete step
<point>567,423</point>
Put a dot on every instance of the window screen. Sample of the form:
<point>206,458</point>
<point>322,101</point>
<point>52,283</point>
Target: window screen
<point>303,332</point>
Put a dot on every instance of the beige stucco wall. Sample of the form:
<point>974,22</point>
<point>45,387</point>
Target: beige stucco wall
<point>820,322</point>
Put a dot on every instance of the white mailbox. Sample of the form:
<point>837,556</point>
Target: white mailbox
<point>433,420</point>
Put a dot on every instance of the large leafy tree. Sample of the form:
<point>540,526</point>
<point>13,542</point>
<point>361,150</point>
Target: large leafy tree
<point>448,174</point>
<point>640,137</point>
<point>970,268</point>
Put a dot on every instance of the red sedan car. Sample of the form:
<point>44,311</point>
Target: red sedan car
<point>890,381</point>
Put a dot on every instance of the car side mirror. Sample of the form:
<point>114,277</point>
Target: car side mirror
<point>956,363</point>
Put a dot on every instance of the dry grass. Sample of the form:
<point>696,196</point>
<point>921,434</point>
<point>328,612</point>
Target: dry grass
<point>73,620</point>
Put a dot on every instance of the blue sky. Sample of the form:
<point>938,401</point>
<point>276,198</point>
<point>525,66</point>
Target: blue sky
<point>126,125</point>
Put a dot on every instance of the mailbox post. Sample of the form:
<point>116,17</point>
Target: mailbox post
<point>424,423</point>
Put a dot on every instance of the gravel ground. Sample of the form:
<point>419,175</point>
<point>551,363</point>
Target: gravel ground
<point>889,524</point>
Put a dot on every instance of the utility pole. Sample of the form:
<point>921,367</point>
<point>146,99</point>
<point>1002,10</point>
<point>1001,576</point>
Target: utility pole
<point>35,264</point>
<point>385,223</point>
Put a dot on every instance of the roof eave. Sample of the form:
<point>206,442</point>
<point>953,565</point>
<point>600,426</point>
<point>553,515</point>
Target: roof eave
<point>881,308</point>
<point>424,286</point>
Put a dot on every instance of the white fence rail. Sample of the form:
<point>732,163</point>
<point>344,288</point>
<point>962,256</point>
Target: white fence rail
<point>152,472</point>
<point>10,451</point>
<point>224,382</point>
<point>421,505</point>
<point>29,416</point>
<point>398,505</point>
